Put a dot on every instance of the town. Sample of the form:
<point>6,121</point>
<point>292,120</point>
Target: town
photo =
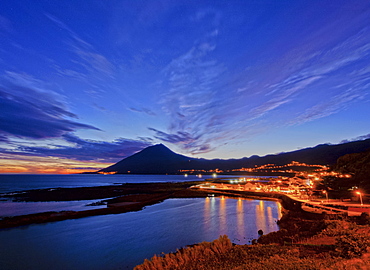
<point>305,186</point>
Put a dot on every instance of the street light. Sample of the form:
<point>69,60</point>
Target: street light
<point>327,196</point>
<point>359,193</point>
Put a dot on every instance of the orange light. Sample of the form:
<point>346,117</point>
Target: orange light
<point>359,193</point>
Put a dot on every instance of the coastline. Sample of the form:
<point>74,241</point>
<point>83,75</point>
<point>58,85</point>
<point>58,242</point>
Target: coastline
<point>308,238</point>
<point>126,198</point>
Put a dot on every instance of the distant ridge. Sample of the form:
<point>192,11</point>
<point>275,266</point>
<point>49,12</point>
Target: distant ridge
<point>158,159</point>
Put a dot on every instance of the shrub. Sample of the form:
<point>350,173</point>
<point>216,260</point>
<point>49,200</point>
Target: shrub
<point>365,218</point>
<point>337,227</point>
<point>187,256</point>
<point>352,245</point>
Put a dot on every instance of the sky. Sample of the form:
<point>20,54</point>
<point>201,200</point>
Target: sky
<point>84,83</point>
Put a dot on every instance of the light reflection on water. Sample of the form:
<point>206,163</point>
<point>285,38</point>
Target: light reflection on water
<point>20,182</point>
<point>260,217</point>
<point>222,215</point>
<point>240,216</point>
<point>125,240</point>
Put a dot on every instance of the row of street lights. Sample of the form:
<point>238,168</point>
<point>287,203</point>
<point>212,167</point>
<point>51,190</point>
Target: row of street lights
<point>357,192</point>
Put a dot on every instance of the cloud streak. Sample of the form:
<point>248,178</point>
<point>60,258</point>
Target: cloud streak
<point>190,82</point>
<point>87,150</point>
<point>29,112</point>
<point>197,76</point>
<point>204,112</point>
<point>90,67</point>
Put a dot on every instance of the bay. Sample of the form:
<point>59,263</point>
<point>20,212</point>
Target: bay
<point>125,240</point>
<point>21,182</point>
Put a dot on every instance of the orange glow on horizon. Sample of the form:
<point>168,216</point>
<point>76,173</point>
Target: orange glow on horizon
<point>46,165</point>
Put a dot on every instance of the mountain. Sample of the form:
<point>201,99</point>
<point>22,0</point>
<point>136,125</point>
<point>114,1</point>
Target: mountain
<point>158,159</point>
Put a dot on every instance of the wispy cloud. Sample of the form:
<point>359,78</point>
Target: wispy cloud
<point>191,81</point>
<point>190,84</point>
<point>94,62</point>
<point>142,110</point>
<point>183,139</point>
<point>95,65</point>
<point>363,137</point>
<point>31,111</point>
<point>283,94</point>
<point>85,150</point>
<point>327,70</point>
<point>28,111</point>
<point>205,112</point>
<point>331,106</point>
<point>220,80</point>
<point>343,74</point>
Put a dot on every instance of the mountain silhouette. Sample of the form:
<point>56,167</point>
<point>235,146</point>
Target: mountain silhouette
<point>158,159</point>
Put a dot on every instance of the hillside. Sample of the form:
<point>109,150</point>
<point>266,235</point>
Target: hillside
<point>358,165</point>
<point>158,159</point>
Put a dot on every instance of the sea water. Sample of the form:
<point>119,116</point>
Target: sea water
<point>19,182</point>
<point>124,240</point>
<point>10,183</point>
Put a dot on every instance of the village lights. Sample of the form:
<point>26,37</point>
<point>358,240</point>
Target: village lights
<point>359,193</point>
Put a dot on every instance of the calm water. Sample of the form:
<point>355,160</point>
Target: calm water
<point>9,208</point>
<point>125,240</point>
<point>11,183</point>
<point>18,182</point>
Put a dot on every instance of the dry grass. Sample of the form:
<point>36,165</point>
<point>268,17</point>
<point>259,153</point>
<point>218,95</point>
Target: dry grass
<point>185,258</point>
<point>335,244</point>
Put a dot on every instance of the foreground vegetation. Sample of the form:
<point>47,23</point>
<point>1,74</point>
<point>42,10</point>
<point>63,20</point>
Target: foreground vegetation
<point>300,244</point>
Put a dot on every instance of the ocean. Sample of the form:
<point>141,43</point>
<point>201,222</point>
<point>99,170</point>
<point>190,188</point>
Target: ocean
<point>122,241</point>
<point>19,182</point>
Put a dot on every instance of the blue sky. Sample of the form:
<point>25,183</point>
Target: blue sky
<point>91,82</point>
